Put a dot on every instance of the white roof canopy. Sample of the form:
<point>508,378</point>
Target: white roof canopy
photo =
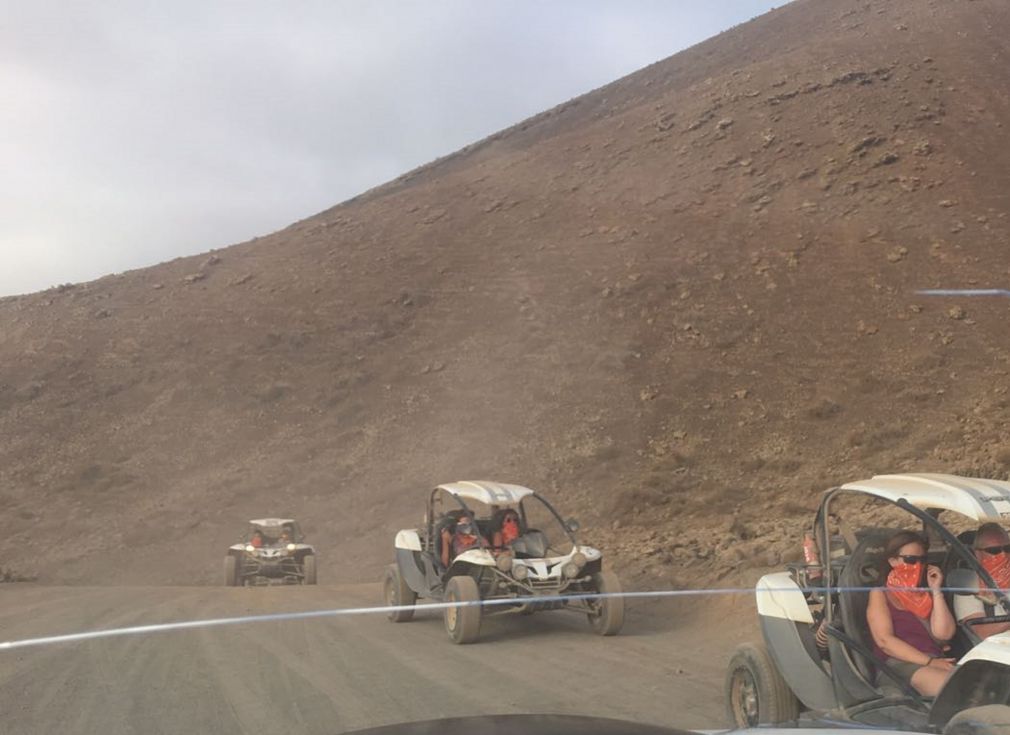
<point>978,499</point>
<point>268,522</point>
<point>489,493</point>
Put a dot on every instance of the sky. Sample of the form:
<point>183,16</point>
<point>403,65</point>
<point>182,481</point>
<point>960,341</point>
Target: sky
<point>134,132</point>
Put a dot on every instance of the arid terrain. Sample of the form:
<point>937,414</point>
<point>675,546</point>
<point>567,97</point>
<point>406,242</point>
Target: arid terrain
<point>680,305</point>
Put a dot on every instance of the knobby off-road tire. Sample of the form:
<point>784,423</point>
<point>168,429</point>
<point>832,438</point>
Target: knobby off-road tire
<point>462,622</point>
<point>608,616</point>
<point>398,594</point>
<point>309,569</point>
<point>756,693</point>
<point>231,571</point>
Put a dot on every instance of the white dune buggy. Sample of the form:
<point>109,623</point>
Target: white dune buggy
<point>790,678</point>
<point>544,568</point>
<point>273,552</point>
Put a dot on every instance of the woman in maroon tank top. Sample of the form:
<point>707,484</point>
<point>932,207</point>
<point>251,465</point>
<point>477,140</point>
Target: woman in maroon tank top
<point>909,622</point>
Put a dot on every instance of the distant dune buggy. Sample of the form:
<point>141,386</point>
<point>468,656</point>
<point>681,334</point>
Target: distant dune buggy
<point>789,678</point>
<point>273,553</point>
<point>544,561</point>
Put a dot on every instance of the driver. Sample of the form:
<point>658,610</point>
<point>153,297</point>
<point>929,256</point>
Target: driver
<point>464,536</point>
<point>908,622</point>
<point>257,539</point>
<point>992,549</point>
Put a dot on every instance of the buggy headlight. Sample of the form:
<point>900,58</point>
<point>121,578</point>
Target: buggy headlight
<point>291,547</point>
<point>504,563</point>
<point>250,548</point>
<point>520,571</point>
<point>574,565</point>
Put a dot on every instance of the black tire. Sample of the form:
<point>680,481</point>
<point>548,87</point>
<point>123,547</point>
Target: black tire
<point>462,623</point>
<point>309,569</point>
<point>230,571</point>
<point>607,615</point>
<point>398,594</point>
<point>756,693</point>
<point>992,719</point>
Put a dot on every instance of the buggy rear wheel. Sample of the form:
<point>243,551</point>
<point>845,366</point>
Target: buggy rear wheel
<point>230,571</point>
<point>756,693</point>
<point>462,622</point>
<point>991,719</point>
<point>398,594</point>
<point>606,615</point>
<point>309,569</point>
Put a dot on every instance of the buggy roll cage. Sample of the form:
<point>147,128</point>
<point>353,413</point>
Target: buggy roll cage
<point>822,536</point>
<point>429,541</point>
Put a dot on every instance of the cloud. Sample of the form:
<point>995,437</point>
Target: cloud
<point>137,132</point>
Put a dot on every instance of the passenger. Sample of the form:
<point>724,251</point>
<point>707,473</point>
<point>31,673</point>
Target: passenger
<point>909,624</point>
<point>992,549</point>
<point>509,531</point>
<point>257,539</point>
<point>464,536</point>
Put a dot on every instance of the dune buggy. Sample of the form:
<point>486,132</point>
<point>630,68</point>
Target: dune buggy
<point>791,678</point>
<point>544,568</point>
<point>273,552</point>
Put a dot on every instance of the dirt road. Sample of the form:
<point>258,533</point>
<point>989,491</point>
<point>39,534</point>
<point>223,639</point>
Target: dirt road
<point>330,675</point>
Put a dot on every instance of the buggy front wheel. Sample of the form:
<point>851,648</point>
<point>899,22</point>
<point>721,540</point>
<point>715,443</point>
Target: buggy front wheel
<point>606,614</point>
<point>462,620</point>
<point>230,571</point>
<point>309,569</point>
<point>756,693</point>
<point>398,595</point>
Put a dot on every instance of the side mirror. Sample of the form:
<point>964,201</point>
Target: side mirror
<point>572,525</point>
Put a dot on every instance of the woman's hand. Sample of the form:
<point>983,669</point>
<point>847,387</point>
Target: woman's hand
<point>944,664</point>
<point>934,577</point>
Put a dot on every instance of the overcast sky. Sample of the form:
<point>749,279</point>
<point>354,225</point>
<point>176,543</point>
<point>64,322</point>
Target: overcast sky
<point>134,132</point>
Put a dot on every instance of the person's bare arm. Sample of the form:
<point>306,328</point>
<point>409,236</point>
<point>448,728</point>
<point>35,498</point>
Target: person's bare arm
<point>446,547</point>
<point>941,620</point>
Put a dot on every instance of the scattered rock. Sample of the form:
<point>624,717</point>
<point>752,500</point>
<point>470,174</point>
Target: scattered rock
<point>956,312</point>
<point>866,143</point>
<point>648,394</point>
<point>887,159</point>
<point>212,260</point>
<point>194,277</point>
<point>103,314</point>
<point>157,286</point>
<point>242,280</point>
<point>946,203</point>
<point>433,216</point>
<point>741,394</point>
<point>724,123</point>
<point>866,329</point>
<point>897,254</point>
<point>665,122</point>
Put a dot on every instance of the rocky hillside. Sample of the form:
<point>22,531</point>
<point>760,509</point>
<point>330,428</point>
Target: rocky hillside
<point>681,305</point>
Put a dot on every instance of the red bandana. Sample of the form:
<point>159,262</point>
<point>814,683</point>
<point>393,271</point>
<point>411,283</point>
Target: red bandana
<point>900,581</point>
<point>509,531</point>
<point>998,567</point>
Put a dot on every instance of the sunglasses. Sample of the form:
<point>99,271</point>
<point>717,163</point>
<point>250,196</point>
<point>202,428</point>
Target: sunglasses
<point>911,559</point>
<point>993,550</point>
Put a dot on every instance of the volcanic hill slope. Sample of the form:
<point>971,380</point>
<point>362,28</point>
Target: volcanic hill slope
<point>681,305</point>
